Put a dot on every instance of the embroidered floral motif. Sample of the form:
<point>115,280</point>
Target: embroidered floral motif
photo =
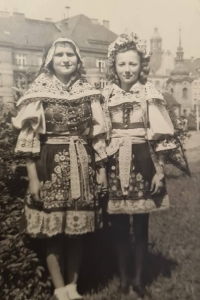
<point>138,206</point>
<point>48,89</point>
<point>73,222</point>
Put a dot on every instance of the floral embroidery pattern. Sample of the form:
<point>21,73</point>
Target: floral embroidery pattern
<point>137,186</point>
<point>138,198</point>
<point>47,89</point>
<point>58,206</point>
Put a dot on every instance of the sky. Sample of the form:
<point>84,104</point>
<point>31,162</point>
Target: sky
<point>139,16</point>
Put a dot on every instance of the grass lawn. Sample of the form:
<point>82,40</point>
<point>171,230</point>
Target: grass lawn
<point>173,270</point>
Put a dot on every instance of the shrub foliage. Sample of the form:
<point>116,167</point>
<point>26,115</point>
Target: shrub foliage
<point>21,274</point>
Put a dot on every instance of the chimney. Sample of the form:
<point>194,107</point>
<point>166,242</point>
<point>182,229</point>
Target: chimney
<point>192,59</point>
<point>48,19</point>
<point>4,14</point>
<point>94,21</point>
<point>106,23</point>
<point>19,17</point>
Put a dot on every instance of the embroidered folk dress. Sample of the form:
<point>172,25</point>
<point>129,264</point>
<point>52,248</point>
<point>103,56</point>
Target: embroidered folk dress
<point>138,124</point>
<point>62,129</point>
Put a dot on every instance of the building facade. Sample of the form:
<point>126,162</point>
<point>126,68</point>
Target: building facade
<point>180,82</point>
<point>22,42</point>
<point>175,75</point>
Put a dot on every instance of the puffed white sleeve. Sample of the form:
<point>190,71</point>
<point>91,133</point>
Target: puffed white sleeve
<point>30,121</point>
<point>161,129</point>
<point>98,131</point>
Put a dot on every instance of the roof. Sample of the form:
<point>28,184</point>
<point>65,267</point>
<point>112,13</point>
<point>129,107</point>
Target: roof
<point>23,32</point>
<point>88,35</point>
<point>26,32</point>
<point>180,69</point>
<point>192,65</point>
<point>170,100</point>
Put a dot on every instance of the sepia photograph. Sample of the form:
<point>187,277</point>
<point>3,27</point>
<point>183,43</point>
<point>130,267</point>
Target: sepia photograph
<point>99,149</point>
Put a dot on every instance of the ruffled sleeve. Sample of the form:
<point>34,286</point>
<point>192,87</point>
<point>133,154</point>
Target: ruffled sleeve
<point>159,120</point>
<point>31,122</point>
<point>160,128</point>
<point>98,131</point>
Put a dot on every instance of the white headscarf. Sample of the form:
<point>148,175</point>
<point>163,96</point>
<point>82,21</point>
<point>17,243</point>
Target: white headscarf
<point>53,47</point>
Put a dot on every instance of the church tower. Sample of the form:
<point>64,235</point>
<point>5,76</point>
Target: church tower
<point>156,52</point>
<point>179,82</point>
<point>156,42</point>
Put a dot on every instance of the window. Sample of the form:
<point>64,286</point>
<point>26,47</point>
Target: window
<point>100,64</point>
<point>20,59</point>
<point>185,93</point>
<point>39,60</point>
<point>103,83</point>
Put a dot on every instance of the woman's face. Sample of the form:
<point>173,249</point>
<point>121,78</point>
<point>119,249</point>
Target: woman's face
<point>128,67</point>
<point>65,60</point>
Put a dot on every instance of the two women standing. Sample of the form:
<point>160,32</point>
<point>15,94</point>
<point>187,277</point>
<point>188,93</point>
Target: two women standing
<point>68,140</point>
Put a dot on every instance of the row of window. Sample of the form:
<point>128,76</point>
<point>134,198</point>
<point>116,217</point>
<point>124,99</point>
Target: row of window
<point>21,60</point>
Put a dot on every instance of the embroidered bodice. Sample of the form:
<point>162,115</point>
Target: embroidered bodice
<point>51,108</point>
<point>139,113</point>
<point>71,119</point>
<point>125,110</point>
<point>126,113</point>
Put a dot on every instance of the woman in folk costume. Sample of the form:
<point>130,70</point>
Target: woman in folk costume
<point>62,137</point>
<point>138,128</point>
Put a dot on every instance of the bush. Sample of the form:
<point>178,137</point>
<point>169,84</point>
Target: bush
<point>21,274</point>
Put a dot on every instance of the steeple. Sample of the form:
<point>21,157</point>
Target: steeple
<point>180,70</point>
<point>180,52</point>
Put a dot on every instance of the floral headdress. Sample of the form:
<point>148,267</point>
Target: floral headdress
<point>128,41</point>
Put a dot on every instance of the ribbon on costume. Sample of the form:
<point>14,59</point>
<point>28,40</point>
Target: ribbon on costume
<point>124,145</point>
<point>125,151</point>
<point>77,147</point>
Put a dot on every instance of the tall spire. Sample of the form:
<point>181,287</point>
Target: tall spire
<point>180,52</point>
<point>180,36</point>
<point>180,69</point>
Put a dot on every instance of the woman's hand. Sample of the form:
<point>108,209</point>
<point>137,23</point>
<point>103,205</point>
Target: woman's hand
<point>35,189</point>
<point>102,180</point>
<point>156,185</point>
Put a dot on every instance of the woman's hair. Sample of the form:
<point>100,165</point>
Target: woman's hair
<point>48,68</point>
<point>125,43</point>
